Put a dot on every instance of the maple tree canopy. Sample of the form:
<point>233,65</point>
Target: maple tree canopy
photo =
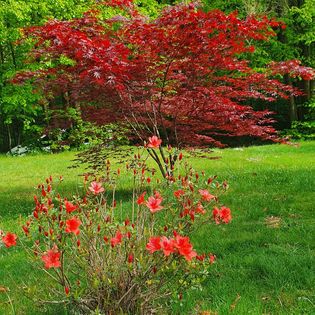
<point>184,76</point>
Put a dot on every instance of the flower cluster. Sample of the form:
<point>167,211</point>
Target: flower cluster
<point>222,215</point>
<point>179,244</point>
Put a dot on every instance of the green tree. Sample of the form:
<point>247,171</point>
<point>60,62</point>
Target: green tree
<point>19,108</point>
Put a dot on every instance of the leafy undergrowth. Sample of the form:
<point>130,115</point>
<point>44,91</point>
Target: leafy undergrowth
<point>265,256</point>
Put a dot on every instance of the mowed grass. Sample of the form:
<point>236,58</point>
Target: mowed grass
<point>265,257</point>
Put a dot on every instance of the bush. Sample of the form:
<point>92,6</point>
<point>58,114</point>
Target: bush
<point>110,257</point>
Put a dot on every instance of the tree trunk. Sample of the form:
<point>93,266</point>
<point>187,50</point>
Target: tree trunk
<point>293,109</point>
<point>9,137</point>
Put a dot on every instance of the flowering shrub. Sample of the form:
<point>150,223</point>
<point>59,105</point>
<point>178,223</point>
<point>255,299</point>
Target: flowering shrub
<point>132,257</point>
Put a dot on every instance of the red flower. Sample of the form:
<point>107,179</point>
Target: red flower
<point>212,258</point>
<point>43,192</point>
<point>26,230</point>
<point>200,209</point>
<point>72,226</point>
<point>201,257</point>
<point>140,200</point>
<point>192,215</point>
<point>70,207</point>
<point>51,258</point>
<point>184,247</point>
<point>153,203</point>
<point>130,258</point>
<point>117,239</point>
<point>178,193</point>
<point>154,244</point>
<point>96,188</point>
<point>225,214</point>
<point>206,196</point>
<point>9,239</point>
<point>67,290</point>
<point>154,142</point>
<point>167,245</point>
<point>222,215</point>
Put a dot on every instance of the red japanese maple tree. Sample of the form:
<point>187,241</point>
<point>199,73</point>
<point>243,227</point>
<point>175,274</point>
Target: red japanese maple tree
<point>184,76</point>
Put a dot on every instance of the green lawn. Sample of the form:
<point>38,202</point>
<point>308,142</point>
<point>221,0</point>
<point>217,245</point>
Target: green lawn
<point>263,267</point>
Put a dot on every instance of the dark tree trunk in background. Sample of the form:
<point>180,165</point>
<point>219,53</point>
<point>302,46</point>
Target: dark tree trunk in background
<point>293,111</point>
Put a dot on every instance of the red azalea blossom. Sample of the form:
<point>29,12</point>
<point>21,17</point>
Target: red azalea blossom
<point>67,290</point>
<point>9,239</point>
<point>212,258</point>
<point>154,244</point>
<point>72,225</point>
<point>26,230</point>
<point>140,200</point>
<point>206,196</point>
<point>130,258</point>
<point>225,214</point>
<point>167,245</point>
<point>184,247</point>
<point>201,257</point>
<point>96,188</point>
<point>127,222</point>
<point>222,215</point>
<point>51,258</point>
<point>117,239</point>
<point>154,142</point>
<point>70,207</point>
<point>178,193</point>
<point>200,209</point>
<point>192,215</point>
<point>153,204</point>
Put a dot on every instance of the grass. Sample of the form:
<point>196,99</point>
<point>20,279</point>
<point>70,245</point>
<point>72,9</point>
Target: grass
<point>266,256</point>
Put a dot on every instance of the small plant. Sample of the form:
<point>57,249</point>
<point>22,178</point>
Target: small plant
<point>106,256</point>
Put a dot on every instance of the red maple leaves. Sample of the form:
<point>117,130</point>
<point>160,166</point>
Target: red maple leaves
<point>183,75</point>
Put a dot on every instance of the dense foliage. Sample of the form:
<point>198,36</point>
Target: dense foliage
<point>22,115</point>
<point>183,76</point>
